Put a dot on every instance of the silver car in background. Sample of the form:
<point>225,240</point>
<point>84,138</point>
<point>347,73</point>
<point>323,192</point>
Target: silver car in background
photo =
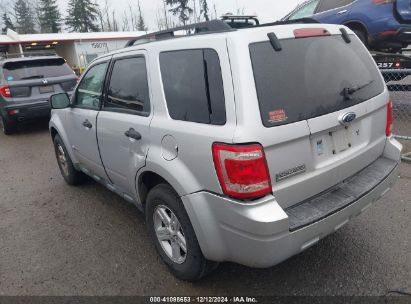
<point>247,146</point>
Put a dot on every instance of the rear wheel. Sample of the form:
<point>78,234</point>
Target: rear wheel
<point>173,235</point>
<point>362,35</point>
<point>5,126</point>
<point>70,174</point>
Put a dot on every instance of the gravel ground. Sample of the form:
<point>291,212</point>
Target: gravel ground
<point>60,240</point>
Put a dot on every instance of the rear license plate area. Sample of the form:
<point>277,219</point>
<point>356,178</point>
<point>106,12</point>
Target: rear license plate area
<point>46,89</point>
<point>340,140</point>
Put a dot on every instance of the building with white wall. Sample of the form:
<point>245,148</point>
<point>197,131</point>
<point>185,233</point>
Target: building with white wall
<point>77,48</point>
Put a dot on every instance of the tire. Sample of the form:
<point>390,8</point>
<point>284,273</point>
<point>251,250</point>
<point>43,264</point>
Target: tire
<point>5,127</point>
<point>191,265</point>
<point>70,174</point>
<point>363,37</point>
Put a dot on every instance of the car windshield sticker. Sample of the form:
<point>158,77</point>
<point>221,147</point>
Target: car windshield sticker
<point>277,116</point>
<point>10,78</point>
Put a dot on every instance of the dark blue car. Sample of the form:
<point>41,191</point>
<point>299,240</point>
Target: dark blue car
<point>380,24</point>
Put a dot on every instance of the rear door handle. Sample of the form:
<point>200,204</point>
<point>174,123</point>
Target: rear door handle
<point>342,12</point>
<point>87,124</point>
<point>133,134</point>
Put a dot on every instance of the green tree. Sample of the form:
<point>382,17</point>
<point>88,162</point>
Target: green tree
<point>49,16</point>
<point>7,23</point>
<point>141,25</point>
<point>24,17</point>
<point>82,16</point>
<point>180,8</point>
<point>205,10</point>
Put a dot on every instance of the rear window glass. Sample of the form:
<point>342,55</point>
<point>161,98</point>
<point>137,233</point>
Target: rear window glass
<point>193,86</point>
<point>312,77</point>
<point>36,69</point>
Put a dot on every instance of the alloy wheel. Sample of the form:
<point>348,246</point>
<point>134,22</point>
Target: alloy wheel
<point>61,157</point>
<point>170,234</point>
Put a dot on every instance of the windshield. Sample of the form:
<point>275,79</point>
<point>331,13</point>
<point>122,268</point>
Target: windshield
<point>36,69</point>
<point>312,77</point>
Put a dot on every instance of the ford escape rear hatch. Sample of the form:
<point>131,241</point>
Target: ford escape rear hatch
<point>330,84</point>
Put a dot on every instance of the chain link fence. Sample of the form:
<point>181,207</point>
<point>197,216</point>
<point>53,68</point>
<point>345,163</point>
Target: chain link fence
<point>399,85</point>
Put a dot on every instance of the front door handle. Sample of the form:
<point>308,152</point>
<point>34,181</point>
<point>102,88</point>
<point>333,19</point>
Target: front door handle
<point>342,12</point>
<point>87,124</point>
<point>133,134</point>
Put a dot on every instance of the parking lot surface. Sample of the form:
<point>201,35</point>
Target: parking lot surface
<point>60,240</point>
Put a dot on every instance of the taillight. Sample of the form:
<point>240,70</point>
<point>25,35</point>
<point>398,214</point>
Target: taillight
<point>378,2</point>
<point>390,119</point>
<point>5,91</point>
<point>242,170</point>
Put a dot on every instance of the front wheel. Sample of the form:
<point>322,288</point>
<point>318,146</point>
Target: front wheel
<point>173,235</point>
<point>70,174</point>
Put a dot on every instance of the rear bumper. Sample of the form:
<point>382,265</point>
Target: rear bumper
<point>401,35</point>
<point>262,234</point>
<point>26,112</point>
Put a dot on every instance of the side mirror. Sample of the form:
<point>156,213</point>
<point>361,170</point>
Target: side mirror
<point>59,101</point>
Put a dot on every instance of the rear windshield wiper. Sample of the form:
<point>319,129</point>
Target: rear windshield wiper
<point>32,77</point>
<point>348,92</point>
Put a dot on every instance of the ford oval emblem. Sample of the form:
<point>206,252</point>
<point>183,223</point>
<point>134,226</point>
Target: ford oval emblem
<point>347,118</point>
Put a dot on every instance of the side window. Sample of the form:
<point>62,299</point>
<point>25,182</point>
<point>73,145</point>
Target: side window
<point>193,86</point>
<point>128,88</point>
<point>306,11</point>
<point>327,5</point>
<point>90,89</point>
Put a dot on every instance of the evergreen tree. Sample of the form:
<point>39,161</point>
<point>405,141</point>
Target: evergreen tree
<point>49,16</point>
<point>141,25</point>
<point>24,17</point>
<point>180,8</point>
<point>7,23</point>
<point>82,16</point>
<point>205,10</point>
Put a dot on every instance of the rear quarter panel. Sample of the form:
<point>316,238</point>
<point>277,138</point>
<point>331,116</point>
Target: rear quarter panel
<point>193,168</point>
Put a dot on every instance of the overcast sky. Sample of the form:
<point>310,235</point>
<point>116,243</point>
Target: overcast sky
<point>267,10</point>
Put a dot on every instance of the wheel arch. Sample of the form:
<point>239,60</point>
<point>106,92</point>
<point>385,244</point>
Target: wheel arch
<point>358,25</point>
<point>56,128</point>
<point>154,173</point>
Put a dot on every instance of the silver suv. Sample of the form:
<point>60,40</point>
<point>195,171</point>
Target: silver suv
<point>247,146</point>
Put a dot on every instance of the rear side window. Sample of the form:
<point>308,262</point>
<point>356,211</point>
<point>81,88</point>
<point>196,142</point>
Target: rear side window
<point>128,88</point>
<point>312,77</point>
<point>193,86</point>
<point>327,5</point>
<point>305,11</point>
<point>36,69</point>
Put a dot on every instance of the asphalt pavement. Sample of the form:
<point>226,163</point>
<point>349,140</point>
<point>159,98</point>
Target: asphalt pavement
<point>61,240</point>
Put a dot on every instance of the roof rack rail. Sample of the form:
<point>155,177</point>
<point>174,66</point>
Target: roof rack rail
<point>209,27</point>
<point>25,55</point>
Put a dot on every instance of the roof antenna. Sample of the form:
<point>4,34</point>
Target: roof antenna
<point>275,42</point>
<point>345,35</point>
